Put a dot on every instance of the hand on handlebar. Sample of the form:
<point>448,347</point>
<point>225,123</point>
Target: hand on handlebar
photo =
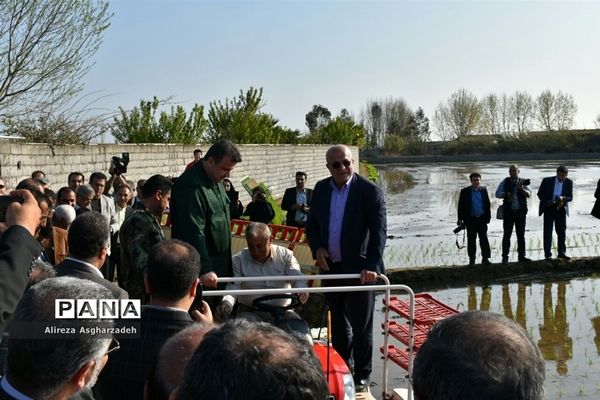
<point>209,279</point>
<point>367,276</point>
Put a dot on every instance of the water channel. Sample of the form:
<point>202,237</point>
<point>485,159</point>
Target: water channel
<point>561,313</point>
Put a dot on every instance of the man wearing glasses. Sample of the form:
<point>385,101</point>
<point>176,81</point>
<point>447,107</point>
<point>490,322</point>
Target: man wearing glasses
<point>346,232</point>
<point>76,360</point>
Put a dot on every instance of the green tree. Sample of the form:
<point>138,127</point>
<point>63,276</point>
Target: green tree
<point>317,118</point>
<point>45,46</point>
<point>141,125</point>
<point>242,121</point>
<point>418,127</point>
<point>340,130</point>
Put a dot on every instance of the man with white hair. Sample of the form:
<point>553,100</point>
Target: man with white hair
<point>84,195</point>
<point>63,216</point>
<point>41,367</point>
<point>262,258</point>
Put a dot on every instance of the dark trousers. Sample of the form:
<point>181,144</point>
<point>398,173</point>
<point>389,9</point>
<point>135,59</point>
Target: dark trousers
<point>476,226</point>
<point>517,219</point>
<point>558,218</point>
<point>352,327</point>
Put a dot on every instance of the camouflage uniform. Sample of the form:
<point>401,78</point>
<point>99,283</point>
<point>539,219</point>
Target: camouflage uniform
<point>138,234</point>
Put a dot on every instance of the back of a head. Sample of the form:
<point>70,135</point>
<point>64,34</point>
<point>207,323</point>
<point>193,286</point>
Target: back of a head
<point>478,355</point>
<point>88,234</point>
<point>154,184</point>
<point>172,359</point>
<point>64,214</point>
<point>173,266</point>
<point>41,364</point>
<point>224,148</point>
<point>244,360</point>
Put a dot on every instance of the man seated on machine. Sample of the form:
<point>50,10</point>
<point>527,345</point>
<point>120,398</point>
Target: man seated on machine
<point>262,258</point>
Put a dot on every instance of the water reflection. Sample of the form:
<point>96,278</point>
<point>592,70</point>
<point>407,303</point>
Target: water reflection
<point>521,316</point>
<point>396,181</point>
<point>562,318</point>
<point>555,343</point>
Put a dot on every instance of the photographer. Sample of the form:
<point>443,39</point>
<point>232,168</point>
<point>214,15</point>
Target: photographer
<point>259,210</point>
<point>474,214</point>
<point>296,201</point>
<point>555,193</point>
<point>118,166</point>
<point>514,191</point>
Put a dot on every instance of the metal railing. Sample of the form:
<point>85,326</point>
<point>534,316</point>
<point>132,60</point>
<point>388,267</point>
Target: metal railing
<point>386,286</point>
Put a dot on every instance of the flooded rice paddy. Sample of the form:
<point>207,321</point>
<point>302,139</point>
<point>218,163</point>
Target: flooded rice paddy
<point>561,313</point>
<point>422,201</point>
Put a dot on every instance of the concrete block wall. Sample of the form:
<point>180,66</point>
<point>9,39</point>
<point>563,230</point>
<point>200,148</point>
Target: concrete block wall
<point>274,164</point>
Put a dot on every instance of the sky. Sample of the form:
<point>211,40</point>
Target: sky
<point>341,54</point>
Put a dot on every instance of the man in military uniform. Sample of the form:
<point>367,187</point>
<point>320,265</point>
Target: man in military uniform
<point>200,212</point>
<point>140,232</point>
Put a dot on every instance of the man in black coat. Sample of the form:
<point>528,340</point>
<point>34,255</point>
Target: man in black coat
<point>89,245</point>
<point>474,213</point>
<point>555,193</point>
<point>346,233</point>
<point>171,280</point>
<point>18,250</point>
<point>296,201</point>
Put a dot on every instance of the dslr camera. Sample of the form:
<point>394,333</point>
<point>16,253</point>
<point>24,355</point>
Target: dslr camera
<point>119,164</point>
<point>459,228</point>
<point>523,182</point>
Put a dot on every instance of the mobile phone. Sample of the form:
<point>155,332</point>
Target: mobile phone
<point>4,202</point>
<point>197,304</point>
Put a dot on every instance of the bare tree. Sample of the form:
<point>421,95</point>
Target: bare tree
<point>441,122</point>
<point>397,116</point>
<point>506,114</point>
<point>460,116</point>
<point>597,121</point>
<point>383,117</point>
<point>545,110</point>
<point>491,118</point>
<point>45,47</point>
<point>565,111</point>
<point>523,111</point>
<point>371,118</point>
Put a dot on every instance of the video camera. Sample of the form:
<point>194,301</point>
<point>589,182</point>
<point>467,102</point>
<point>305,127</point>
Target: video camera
<point>523,182</point>
<point>119,164</point>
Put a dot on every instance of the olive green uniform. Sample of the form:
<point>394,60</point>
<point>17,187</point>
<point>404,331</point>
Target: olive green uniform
<point>138,234</point>
<point>200,217</point>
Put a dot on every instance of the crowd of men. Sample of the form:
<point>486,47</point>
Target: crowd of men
<point>113,247</point>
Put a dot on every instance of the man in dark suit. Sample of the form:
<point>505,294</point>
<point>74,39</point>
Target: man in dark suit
<point>89,245</point>
<point>171,280</point>
<point>474,213</point>
<point>296,201</point>
<point>46,365</point>
<point>18,251</point>
<point>555,193</point>
<point>346,233</point>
